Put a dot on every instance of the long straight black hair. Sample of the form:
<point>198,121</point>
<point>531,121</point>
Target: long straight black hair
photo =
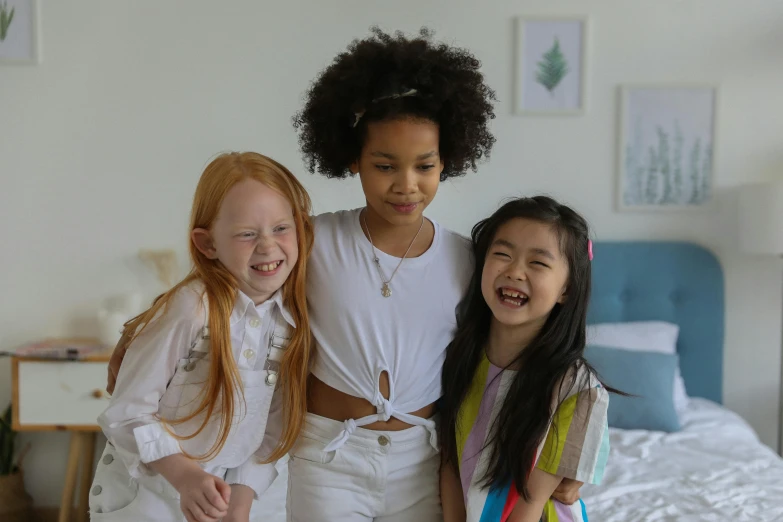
<point>548,365</point>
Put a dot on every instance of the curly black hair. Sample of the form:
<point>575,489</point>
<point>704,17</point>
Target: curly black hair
<point>367,80</point>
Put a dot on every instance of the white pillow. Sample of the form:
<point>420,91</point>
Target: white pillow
<point>643,336</point>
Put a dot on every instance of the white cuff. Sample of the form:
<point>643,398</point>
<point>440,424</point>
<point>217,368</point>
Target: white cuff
<point>254,475</point>
<point>154,443</point>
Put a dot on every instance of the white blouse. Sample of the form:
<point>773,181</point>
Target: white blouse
<point>360,333</point>
<point>163,375</point>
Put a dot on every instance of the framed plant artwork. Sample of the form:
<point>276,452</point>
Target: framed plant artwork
<point>19,32</point>
<point>551,65</point>
<point>666,149</point>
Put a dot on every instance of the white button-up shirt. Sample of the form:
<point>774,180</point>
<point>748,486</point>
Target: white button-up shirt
<point>163,376</point>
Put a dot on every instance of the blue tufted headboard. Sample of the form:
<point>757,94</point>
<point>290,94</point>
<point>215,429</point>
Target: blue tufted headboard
<point>680,283</point>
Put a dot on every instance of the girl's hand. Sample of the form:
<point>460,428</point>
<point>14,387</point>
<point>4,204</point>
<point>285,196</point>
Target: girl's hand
<point>567,491</point>
<point>203,497</point>
<point>241,502</point>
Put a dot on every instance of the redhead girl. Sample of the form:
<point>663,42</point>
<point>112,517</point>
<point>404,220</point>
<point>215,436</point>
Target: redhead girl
<point>212,387</point>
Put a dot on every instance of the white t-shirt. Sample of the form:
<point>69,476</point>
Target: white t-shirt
<point>360,334</point>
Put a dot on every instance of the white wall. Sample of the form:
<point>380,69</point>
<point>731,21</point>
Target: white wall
<point>104,140</point>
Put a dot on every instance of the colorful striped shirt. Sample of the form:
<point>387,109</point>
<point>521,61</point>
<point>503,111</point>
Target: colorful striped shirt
<point>576,444</point>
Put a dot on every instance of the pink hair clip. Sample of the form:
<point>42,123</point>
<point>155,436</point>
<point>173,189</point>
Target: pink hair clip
<point>590,249</point>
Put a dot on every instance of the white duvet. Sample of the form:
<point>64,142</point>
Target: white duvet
<point>715,469</point>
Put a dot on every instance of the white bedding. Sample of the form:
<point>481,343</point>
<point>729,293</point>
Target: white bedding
<point>715,469</point>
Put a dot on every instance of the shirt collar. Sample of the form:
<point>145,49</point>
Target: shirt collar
<point>244,306</point>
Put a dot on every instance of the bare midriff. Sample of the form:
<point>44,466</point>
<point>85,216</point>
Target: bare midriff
<point>325,401</point>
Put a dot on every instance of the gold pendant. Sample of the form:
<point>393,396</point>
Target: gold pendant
<point>385,290</point>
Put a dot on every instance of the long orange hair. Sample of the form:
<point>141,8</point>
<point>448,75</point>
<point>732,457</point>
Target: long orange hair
<point>221,174</point>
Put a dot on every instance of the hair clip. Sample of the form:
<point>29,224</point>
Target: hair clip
<point>590,249</point>
<point>409,92</point>
<point>357,116</point>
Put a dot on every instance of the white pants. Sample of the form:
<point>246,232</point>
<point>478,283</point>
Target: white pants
<point>116,497</point>
<point>381,476</point>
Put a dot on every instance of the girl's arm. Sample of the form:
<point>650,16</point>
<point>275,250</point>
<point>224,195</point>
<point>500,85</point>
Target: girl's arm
<point>451,495</point>
<point>576,450</point>
<point>130,421</point>
<point>541,485</point>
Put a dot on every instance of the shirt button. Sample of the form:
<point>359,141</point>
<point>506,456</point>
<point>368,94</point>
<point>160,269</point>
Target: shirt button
<point>108,459</point>
<point>249,354</point>
<point>255,323</point>
<point>383,440</point>
<point>97,490</point>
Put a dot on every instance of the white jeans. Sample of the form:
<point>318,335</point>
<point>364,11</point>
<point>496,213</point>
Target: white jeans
<point>381,476</point>
<point>116,497</point>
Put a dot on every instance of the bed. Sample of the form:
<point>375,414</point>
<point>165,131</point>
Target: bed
<point>714,468</point>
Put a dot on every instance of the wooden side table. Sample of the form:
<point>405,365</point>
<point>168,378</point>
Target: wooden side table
<point>63,395</point>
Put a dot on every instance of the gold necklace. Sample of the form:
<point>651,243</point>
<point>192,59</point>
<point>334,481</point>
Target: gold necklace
<point>386,288</point>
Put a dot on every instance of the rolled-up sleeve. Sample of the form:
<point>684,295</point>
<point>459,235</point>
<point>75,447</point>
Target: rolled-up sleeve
<point>577,445</point>
<point>252,473</point>
<point>130,421</point>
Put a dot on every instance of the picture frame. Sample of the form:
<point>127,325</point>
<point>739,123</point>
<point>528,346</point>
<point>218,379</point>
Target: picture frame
<point>666,147</point>
<point>551,60</point>
<point>19,32</point>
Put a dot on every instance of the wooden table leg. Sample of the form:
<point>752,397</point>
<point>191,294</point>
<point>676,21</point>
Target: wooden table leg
<point>71,472</point>
<point>88,459</point>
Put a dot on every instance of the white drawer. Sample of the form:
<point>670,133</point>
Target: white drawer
<point>54,394</point>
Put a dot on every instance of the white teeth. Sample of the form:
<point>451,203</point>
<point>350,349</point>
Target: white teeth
<point>268,267</point>
<point>513,296</point>
<point>512,293</point>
